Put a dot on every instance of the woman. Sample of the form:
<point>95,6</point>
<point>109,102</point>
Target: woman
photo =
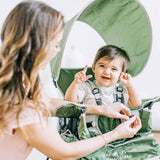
<point>30,39</point>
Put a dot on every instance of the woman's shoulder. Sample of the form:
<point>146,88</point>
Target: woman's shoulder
<point>28,115</point>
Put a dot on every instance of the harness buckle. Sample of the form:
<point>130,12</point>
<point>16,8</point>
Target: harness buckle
<point>96,93</point>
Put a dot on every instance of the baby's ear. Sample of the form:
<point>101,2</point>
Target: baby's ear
<point>93,68</point>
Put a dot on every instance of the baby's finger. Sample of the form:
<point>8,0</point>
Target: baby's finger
<point>88,77</point>
<point>128,76</point>
<point>85,69</point>
<point>83,77</point>
<point>79,75</point>
<point>125,76</point>
<point>82,73</point>
<point>121,75</point>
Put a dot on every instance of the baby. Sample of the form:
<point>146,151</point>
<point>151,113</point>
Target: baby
<point>112,83</point>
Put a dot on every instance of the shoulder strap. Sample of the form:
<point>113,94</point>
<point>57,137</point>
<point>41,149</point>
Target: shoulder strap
<point>118,96</point>
<point>96,92</point>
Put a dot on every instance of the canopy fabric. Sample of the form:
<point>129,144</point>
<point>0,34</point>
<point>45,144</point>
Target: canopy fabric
<point>142,146</point>
<point>123,23</point>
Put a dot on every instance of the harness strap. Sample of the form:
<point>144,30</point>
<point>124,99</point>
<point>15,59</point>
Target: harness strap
<point>96,93</point>
<point>118,96</point>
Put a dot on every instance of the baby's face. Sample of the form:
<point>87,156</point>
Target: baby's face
<point>107,72</point>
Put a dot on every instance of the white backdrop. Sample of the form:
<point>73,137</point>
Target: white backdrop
<point>147,82</point>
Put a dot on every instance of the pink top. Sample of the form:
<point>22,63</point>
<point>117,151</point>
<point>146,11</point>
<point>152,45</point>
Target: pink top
<point>12,145</point>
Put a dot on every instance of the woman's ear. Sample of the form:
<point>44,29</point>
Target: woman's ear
<point>93,68</point>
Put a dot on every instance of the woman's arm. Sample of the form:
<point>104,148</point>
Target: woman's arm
<point>48,141</point>
<point>114,110</point>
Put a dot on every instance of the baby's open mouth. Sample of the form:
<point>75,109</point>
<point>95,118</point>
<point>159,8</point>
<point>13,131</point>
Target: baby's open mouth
<point>106,78</point>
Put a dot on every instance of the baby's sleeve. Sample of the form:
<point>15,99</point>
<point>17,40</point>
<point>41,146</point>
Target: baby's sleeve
<point>82,92</point>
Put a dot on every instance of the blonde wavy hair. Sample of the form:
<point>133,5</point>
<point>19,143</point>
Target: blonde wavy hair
<point>25,33</point>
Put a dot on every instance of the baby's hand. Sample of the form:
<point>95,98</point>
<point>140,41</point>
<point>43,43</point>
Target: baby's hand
<point>125,79</point>
<point>81,76</point>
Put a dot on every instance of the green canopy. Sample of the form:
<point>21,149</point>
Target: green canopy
<point>123,23</point>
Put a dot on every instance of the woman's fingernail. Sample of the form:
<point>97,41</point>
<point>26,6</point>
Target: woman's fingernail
<point>131,116</point>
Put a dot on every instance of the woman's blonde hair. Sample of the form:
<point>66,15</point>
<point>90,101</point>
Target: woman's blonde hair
<point>25,33</point>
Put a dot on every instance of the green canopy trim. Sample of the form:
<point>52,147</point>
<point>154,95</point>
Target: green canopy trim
<point>56,61</point>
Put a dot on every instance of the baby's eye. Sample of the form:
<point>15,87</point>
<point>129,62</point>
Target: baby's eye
<point>101,65</point>
<point>114,69</point>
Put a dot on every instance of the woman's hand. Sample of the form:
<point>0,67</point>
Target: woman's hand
<point>116,110</point>
<point>128,128</point>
